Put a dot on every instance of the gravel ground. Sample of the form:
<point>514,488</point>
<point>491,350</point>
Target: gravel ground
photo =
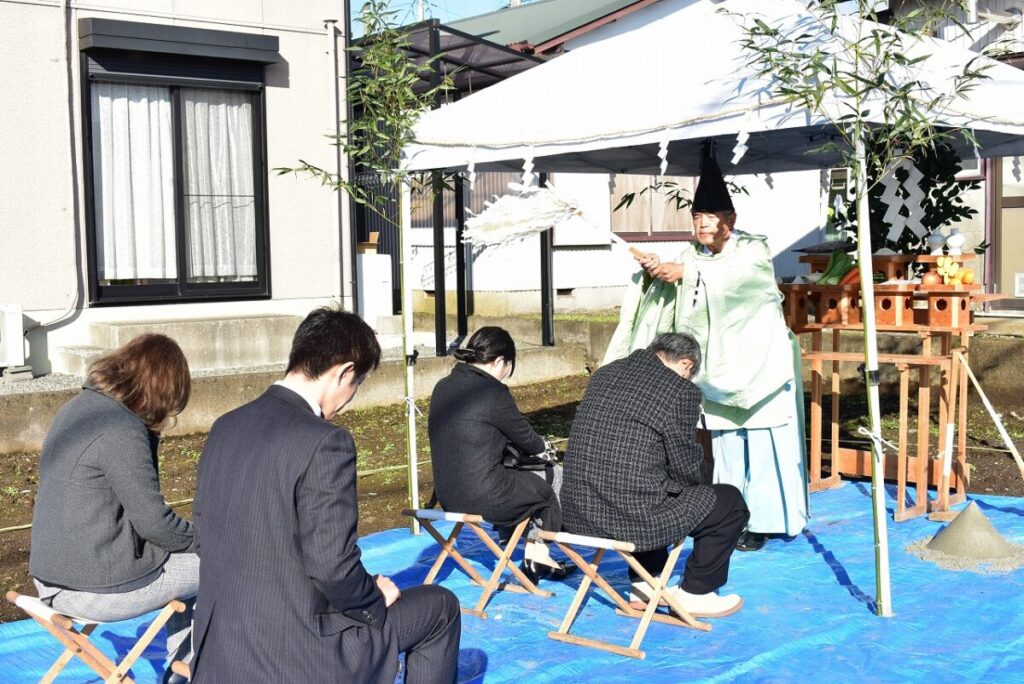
<point>54,382</point>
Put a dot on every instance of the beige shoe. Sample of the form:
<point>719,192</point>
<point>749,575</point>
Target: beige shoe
<point>709,605</point>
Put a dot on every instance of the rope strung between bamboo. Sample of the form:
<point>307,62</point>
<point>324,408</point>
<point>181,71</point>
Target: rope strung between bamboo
<point>877,439</point>
<point>411,406</point>
<point>175,504</point>
<point>992,412</point>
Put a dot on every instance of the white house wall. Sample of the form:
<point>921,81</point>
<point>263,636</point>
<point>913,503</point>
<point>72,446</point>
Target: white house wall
<point>36,202</point>
<point>37,208</point>
<point>786,207</point>
<point>999,26</point>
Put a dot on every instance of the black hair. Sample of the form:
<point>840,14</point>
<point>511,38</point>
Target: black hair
<point>329,337</point>
<point>677,346</point>
<point>486,345</point>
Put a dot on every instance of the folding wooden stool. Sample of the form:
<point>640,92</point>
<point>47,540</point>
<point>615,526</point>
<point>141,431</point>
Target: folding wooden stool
<point>76,642</point>
<point>427,516</point>
<point>658,585</point>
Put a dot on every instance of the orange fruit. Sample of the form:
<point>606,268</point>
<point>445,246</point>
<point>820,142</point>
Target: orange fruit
<point>968,276</point>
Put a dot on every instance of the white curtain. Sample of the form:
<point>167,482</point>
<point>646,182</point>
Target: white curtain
<point>133,175</point>
<point>219,185</point>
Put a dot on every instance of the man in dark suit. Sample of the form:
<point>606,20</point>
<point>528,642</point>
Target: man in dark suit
<point>632,472</point>
<point>283,595</point>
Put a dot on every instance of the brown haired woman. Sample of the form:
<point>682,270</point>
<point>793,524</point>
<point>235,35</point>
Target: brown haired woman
<point>105,545</point>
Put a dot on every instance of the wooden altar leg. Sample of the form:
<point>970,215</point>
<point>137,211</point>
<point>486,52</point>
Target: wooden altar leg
<point>815,478</point>
<point>954,464</point>
<point>901,458</point>
<point>835,400</point>
<point>941,503</point>
<point>962,473</point>
<point>924,398</point>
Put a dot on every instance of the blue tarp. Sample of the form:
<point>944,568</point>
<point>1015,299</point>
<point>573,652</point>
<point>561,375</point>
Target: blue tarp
<point>808,614</point>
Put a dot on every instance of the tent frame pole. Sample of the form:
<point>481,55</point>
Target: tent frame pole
<point>437,190</point>
<point>462,317</point>
<point>547,294</point>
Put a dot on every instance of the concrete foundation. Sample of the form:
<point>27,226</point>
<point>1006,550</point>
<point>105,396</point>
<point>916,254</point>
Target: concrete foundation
<point>27,416</point>
<point>208,343</point>
<point>997,360</point>
<point>526,302</point>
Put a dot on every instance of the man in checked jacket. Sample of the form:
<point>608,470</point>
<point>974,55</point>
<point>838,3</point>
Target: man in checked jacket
<point>632,473</point>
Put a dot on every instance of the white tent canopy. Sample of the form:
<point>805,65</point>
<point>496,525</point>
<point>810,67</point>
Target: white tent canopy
<point>677,81</point>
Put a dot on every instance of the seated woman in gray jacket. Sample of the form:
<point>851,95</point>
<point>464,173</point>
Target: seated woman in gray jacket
<point>105,545</point>
<point>473,417</point>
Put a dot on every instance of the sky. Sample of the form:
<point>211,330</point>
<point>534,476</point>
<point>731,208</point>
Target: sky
<point>445,10</point>
<point>452,10</point>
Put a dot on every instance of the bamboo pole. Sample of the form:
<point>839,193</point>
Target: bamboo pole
<point>867,298</point>
<point>405,258</point>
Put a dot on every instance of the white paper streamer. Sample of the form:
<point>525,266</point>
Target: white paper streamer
<point>525,211</point>
<point>663,154</point>
<point>529,179</point>
<point>471,174</point>
<point>742,136</point>
<point>911,187</point>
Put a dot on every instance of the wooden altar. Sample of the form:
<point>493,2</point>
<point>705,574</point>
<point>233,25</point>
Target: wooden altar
<point>940,319</point>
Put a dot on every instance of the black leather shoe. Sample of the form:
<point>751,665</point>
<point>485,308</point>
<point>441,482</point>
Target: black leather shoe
<point>751,541</point>
<point>537,571</point>
<point>504,535</point>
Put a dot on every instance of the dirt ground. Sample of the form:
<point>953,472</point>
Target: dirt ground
<point>380,437</point>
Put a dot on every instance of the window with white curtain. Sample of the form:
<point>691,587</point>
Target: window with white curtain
<point>176,197</point>
<point>219,194</point>
<point>133,182</point>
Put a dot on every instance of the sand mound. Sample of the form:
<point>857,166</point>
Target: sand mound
<point>970,542</point>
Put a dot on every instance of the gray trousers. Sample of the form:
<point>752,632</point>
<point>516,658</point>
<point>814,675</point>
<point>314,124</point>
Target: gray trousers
<point>179,580</point>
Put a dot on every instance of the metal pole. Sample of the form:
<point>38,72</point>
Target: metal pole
<point>437,190</point>
<point>460,257</point>
<point>440,314</point>
<point>547,295</point>
<point>867,298</point>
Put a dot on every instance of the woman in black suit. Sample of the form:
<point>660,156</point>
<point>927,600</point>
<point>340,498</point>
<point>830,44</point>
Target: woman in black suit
<point>473,417</point>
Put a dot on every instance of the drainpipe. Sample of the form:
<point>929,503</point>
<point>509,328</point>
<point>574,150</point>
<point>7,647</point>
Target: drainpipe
<point>992,193</point>
<point>72,311</point>
<point>343,209</point>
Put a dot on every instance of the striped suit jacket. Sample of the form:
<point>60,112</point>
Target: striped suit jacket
<point>283,595</point>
